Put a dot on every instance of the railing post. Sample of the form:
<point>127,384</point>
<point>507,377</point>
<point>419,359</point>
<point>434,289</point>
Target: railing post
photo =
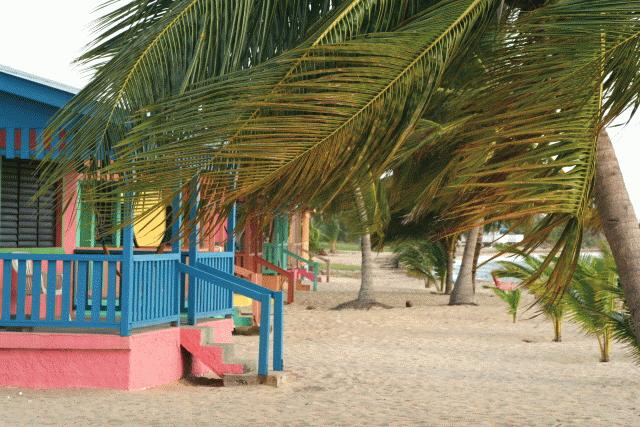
<point>194,198</point>
<point>316,272</point>
<point>126,280</point>
<point>265,326</point>
<point>291,290</point>
<point>278,333</point>
<point>176,247</point>
<point>231,230</point>
<point>230,245</point>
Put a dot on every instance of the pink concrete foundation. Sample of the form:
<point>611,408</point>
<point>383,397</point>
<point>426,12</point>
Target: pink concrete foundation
<point>43,360</point>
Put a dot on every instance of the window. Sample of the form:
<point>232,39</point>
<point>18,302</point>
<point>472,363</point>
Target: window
<point>25,223</point>
<point>96,222</point>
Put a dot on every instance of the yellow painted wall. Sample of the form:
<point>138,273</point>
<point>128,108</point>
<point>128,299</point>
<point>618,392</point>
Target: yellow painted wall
<point>150,230</point>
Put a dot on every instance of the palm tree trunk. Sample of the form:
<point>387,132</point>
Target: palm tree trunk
<point>365,298</point>
<point>557,329</point>
<point>463,292</point>
<point>476,258</point>
<point>451,259</point>
<point>366,283</point>
<point>604,343</point>
<point>620,225</point>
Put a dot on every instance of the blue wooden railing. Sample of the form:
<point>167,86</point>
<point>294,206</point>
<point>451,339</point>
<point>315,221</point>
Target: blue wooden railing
<point>217,278</point>
<point>205,299</point>
<point>155,293</point>
<point>58,290</point>
<point>89,291</point>
<point>94,291</point>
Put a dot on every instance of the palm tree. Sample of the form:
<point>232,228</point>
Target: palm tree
<point>423,259</point>
<point>331,228</point>
<point>294,102</point>
<point>620,225</point>
<point>537,145</point>
<point>526,269</point>
<point>365,297</point>
<point>593,298</point>
<point>512,298</point>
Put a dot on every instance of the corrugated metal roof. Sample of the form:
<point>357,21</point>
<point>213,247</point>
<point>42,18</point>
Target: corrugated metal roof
<point>37,79</point>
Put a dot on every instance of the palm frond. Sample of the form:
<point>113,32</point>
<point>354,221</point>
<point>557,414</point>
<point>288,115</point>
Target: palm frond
<point>553,78</point>
<point>422,258</point>
<point>338,116</point>
<point>148,51</point>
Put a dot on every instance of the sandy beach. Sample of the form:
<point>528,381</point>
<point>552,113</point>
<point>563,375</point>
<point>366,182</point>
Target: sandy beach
<point>426,365</point>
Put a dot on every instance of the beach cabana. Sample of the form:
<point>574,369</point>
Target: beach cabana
<point>78,311</point>
<point>277,257</point>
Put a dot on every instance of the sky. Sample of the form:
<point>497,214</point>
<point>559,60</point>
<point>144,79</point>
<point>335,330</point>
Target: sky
<point>43,37</point>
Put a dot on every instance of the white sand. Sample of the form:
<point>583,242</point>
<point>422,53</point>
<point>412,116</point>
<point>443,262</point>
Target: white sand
<point>427,365</point>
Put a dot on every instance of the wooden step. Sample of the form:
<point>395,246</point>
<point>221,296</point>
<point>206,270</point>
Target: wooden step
<point>201,343</point>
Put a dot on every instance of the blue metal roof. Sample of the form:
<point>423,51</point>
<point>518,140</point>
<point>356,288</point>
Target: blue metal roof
<point>29,86</point>
<point>27,103</point>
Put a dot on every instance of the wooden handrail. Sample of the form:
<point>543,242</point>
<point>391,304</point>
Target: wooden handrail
<point>290,276</point>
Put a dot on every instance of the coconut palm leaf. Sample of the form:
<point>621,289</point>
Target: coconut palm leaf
<point>623,332</point>
<point>340,112</point>
<point>523,268</point>
<point>591,299</point>
<point>597,301</point>
<point>422,259</point>
<point>548,89</point>
<point>511,298</point>
<point>149,50</point>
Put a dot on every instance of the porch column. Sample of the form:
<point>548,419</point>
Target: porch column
<point>176,247</point>
<point>305,233</point>
<point>126,279</point>
<point>230,246</point>
<point>194,198</point>
<point>231,230</point>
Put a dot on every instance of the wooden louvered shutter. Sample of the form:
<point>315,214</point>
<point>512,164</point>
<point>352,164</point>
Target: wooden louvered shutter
<point>9,205</point>
<point>86,219</point>
<point>26,223</point>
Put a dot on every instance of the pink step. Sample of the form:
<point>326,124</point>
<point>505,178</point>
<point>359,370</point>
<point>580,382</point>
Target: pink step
<point>304,273</point>
<point>208,356</point>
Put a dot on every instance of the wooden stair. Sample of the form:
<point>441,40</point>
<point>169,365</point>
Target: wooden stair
<point>211,349</point>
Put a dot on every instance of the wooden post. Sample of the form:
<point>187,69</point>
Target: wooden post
<point>278,333</point>
<point>231,230</point>
<point>176,247</point>
<point>193,247</point>
<point>126,280</point>
<point>230,245</point>
<point>265,327</point>
<point>305,233</point>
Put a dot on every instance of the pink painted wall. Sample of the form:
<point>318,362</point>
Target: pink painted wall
<point>74,360</point>
<point>213,236</point>
<point>69,218</point>
<point>60,360</point>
